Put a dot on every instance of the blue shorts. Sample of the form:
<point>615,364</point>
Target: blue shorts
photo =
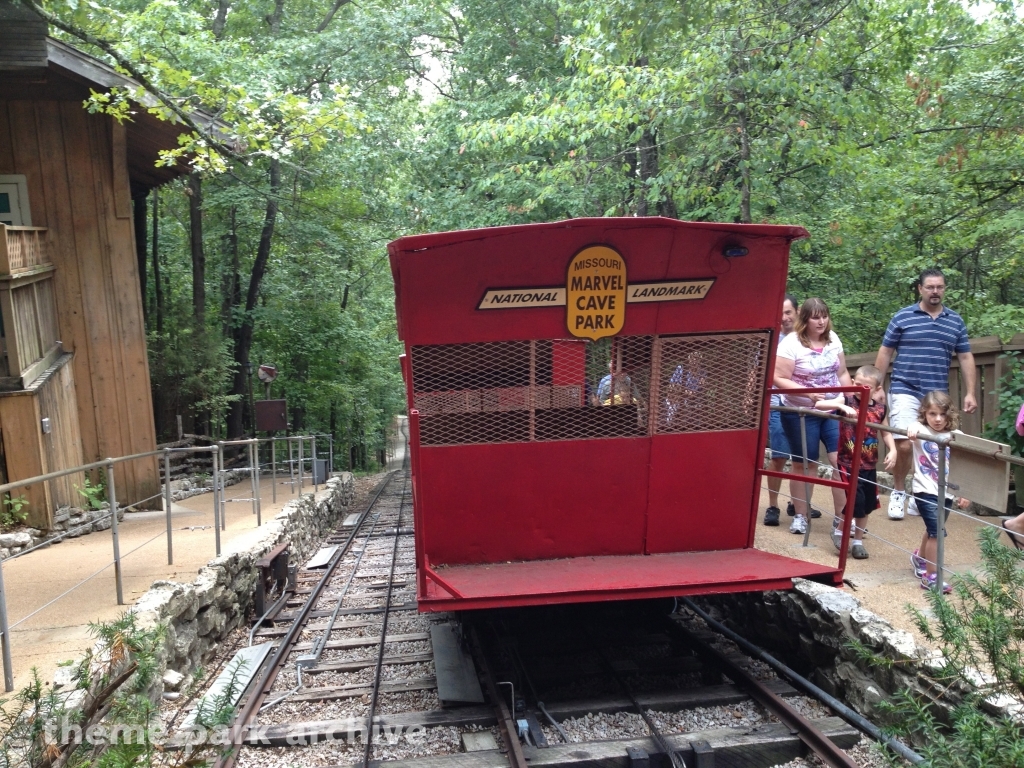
<point>928,507</point>
<point>819,430</point>
<point>777,436</point>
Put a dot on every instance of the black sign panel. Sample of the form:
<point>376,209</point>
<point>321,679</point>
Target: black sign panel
<point>271,415</point>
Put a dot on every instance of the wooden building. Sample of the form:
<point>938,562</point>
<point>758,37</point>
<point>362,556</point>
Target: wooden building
<point>74,376</point>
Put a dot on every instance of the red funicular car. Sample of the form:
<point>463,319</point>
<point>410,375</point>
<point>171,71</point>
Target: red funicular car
<point>588,409</point>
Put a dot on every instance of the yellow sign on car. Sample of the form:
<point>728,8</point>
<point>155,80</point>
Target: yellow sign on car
<point>596,293</point>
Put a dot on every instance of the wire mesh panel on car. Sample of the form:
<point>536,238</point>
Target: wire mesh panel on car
<point>523,391</point>
<point>711,383</point>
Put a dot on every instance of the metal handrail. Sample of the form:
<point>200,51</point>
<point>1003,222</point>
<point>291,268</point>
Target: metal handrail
<point>62,472</point>
<point>217,453</point>
<point>1008,458</point>
<point>941,469</point>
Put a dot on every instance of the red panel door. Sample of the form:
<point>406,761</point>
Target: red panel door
<point>700,491</point>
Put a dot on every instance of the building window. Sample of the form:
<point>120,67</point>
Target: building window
<point>14,210</point>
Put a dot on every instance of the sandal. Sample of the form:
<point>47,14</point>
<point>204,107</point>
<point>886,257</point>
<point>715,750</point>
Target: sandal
<point>1019,544</point>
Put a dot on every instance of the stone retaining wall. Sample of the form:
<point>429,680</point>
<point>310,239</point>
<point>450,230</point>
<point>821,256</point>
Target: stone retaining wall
<point>202,613</point>
<point>810,629</point>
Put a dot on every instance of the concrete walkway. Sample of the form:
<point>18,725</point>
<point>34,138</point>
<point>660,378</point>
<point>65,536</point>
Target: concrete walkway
<point>61,631</point>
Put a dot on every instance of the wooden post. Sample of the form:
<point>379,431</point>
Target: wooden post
<point>991,412</point>
<point>5,259</point>
<point>14,361</point>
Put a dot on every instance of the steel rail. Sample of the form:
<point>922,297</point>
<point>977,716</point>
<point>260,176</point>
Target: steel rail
<point>506,723</point>
<point>659,738</point>
<point>273,668</point>
<point>808,733</point>
<point>368,741</point>
<point>312,659</point>
<point>859,722</point>
<point>514,650</point>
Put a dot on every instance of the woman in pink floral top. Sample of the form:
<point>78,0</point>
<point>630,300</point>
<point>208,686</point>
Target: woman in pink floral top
<point>811,356</point>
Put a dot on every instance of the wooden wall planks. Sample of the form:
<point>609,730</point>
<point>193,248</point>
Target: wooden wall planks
<point>6,147</point>
<point>37,453</point>
<point>19,421</point>
<point>27,158</point>
<point>122,185</point>
<point>76,166</point>
<point>62,448</point>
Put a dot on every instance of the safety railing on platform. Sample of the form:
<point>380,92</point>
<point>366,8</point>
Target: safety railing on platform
<point>966,444</point>
<point>850,485</point>
<point>297,475</point>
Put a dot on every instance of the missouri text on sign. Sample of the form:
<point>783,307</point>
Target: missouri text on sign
<point>596,293</point>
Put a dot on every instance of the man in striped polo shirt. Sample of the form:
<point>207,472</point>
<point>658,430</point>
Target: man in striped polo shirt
<point>924,336</point>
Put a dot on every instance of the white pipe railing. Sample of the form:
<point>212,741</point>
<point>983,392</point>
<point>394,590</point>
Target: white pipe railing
<point>217,452</point>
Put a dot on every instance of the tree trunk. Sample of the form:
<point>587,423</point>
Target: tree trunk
<point>274,19</point>
<point>141,227</point>
<point>243,331</point>
<point>631,168</point>
<point>220,19</point>
<point>195,220</point>
<point>330,14</point>
<point>744,169</point>
<point>648,152</point>
<point>333,425</point>
<point>230,286</point>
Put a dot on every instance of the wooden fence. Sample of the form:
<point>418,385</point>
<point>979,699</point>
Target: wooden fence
<point>991,365</point>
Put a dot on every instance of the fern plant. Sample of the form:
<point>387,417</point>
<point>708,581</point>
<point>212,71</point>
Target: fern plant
<point>979,629</point>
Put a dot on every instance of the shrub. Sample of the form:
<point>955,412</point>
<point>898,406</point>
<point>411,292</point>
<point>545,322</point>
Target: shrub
<point>979,629</point>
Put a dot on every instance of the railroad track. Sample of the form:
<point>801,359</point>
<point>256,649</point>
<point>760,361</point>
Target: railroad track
<point>353,680</point>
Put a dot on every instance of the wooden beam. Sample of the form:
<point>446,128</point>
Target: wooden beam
<point>5,260</point>
<point>27,275</point>
<point>19,419</point>
<point>14,361</point>
<point>122,186</point>
<point>364,642</point>
<point>283,734</point>
<point>355,666</point>
<point>39,367</point>
<point>769,744</point>
<point>355,691</point>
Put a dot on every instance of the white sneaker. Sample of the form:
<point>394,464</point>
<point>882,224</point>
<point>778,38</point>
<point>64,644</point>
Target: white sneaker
<point>912,507</point>
<point>799,525</point>
<point>897,499</point>
<point>837,531</point>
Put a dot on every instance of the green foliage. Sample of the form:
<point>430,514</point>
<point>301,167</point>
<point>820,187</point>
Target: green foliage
<point>12,511</point>
<point>980,631</point>
<point>220,710</point>
<point>31,721</point>
<point>892,130</point>
<point>1011,395</point>
<point>888,129</point>
<point>971,739</point>
<point>23,720</point>
<point>93,493</point>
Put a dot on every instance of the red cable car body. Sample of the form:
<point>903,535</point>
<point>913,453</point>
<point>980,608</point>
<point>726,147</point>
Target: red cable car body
<point>588,409</point>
